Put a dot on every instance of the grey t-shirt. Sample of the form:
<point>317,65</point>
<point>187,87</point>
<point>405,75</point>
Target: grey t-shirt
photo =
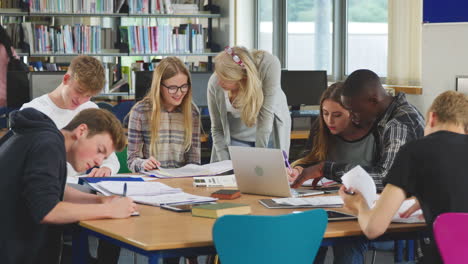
<point>358,152</point>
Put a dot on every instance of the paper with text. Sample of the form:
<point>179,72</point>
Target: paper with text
<point>358,179</point>
<point>191,170</point>
<point>314,201</point>
<point>138,188</point>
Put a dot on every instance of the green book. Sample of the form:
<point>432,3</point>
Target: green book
<point>220,209</point>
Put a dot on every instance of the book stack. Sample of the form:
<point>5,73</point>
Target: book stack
<point>164,6</point>
<point>186,38</point>
<point>220,209</point>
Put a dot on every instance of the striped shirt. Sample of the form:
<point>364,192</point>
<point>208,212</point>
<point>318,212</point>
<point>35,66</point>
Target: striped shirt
<point>171,152</point>
<point>401,123</point>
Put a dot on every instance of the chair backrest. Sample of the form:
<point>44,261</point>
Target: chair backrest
<point>451,236</point>
<point>292,238</point>
<point>122,109</point>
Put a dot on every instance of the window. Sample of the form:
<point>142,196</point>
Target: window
<point>310,35</point>
<point>338,36</point>
<point>367,36</point>
<point>265,27</point>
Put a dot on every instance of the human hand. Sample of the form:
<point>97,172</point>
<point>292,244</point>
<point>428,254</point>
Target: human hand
<point>416,206</point>
<point>311,172</point>
<point>294,173</point>
<point>108,199</point>
<point>122,207</point>
<point>352,199</point>
<point>100,172</point>
<point>151,164</point>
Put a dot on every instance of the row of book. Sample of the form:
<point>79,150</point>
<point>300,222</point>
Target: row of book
<point>11,4</point>
<point>186,38</point>
<point>165,6</point>
<point>63,39</point>
<point>74,6</point>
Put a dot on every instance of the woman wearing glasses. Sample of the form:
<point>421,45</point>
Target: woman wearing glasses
<point>246,104</point>
<point>164,127</point>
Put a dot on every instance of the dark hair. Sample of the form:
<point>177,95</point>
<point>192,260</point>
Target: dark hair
<point>4,38</point>
<point>360,81</point>
<point>321,139</point>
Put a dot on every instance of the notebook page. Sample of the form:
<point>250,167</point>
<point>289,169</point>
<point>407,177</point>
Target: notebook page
<point>137,188</point>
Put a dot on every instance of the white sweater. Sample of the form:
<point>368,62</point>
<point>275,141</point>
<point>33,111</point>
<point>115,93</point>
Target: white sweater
<point>61,118</point>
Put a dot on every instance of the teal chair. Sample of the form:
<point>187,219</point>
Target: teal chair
<point>292,238</point>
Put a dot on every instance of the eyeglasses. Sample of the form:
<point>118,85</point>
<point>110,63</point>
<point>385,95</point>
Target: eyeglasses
<point>173,88</point>
<point>234,56</point>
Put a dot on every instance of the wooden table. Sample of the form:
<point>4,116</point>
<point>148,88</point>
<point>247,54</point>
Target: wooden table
<point>161,233</point>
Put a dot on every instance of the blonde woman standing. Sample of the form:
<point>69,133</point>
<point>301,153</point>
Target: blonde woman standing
<point>246,104</point>
<point>164,128</point>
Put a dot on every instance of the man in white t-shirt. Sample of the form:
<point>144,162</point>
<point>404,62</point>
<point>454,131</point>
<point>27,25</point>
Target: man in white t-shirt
<point>84,79</point>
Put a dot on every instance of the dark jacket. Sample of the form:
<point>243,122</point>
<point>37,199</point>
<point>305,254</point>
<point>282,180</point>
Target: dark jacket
<point>32,182</point>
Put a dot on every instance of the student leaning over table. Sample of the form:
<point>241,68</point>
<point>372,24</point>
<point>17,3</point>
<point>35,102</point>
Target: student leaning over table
<point>33,161</point>
<point>246,104</point>
<point>335,137</point>
<point>164,128</point>
<point>83,80</point>
<point>426,168</point>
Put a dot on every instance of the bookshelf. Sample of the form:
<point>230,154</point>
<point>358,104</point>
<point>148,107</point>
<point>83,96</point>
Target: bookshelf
<point>120,49</point>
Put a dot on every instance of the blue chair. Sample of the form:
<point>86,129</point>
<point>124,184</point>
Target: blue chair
<point>291,238</point>
<point>122,109</point>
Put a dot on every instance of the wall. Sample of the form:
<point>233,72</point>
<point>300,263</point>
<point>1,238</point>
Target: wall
<point>444,56</point>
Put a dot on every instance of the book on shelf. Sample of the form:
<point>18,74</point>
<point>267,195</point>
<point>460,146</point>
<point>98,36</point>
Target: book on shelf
<point>75,6</point>
<point>164,38</point>
<point>164,6</point>
<point>220,209</point>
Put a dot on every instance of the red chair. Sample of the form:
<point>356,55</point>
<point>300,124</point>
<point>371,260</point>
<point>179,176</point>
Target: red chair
<point>451,236</point>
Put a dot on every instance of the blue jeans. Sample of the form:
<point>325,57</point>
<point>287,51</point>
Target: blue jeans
<point>352,252</point>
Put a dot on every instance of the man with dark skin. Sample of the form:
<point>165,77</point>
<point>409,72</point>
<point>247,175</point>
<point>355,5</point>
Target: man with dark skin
<point>394,122</point>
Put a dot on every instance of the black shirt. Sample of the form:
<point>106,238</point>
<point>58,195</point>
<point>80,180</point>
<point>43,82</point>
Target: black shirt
<point>434,169</point>
<point>32,182</point>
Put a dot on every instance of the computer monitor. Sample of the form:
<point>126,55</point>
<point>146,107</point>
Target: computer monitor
<point>199,85</point>
<point>303,87</point>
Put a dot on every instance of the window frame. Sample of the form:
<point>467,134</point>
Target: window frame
<point>339,41</point>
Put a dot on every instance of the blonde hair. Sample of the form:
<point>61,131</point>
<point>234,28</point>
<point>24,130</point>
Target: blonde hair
<point>451,108</point>
<point>166,69</point>
<point>250,96</point>
<point>88,72</point>
<point>100,121</point>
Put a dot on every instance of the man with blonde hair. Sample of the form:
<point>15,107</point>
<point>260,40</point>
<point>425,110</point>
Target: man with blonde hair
<point>33,193</point>
<point>426,168</point>
<point>84,79</point>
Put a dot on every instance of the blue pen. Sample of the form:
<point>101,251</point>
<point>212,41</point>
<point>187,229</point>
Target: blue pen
<point>286,160</point>
<point>125,190</point>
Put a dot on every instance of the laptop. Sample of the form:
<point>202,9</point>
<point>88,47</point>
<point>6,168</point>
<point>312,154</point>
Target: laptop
<point>262,171</point>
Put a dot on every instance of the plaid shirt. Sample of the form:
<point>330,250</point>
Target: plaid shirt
<point>400,123</point>
<point>171,152</point>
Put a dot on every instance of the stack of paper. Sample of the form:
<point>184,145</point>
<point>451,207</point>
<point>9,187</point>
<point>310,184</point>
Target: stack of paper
<point>137,188</point>
<point>192,170</point>
<point>215,181</point>
<point>313,202</point>
<point>151,193</point>
<point>360,180</point>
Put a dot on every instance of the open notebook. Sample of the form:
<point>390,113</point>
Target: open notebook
<point>151,193</point>
<point>192,170</point>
